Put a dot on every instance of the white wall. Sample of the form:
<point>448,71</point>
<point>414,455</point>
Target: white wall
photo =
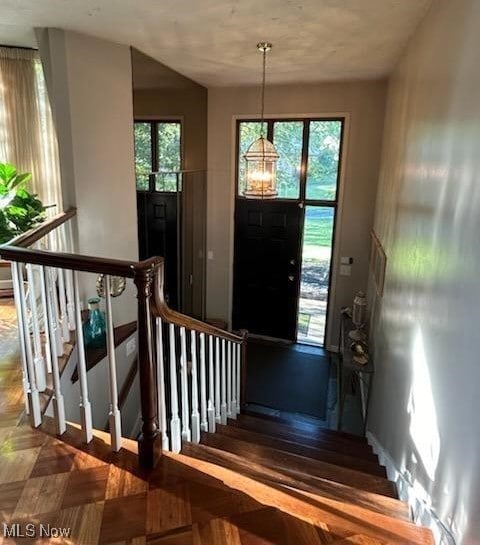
<point>363,103</point>
<point>90,87</point>
<point>97,379</point>
<point>424,410</point>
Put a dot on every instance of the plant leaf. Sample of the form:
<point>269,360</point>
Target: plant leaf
<point>7,172</point>
<point>20,179</point>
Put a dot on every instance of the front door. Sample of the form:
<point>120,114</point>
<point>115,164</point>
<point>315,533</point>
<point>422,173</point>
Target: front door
<point>283,247</point>
<point>266,272</point>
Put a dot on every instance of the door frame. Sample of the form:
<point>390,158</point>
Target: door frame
<point>329,344</point>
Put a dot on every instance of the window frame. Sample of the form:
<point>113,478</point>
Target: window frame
<point>304,156</point>
<point>154,122</point>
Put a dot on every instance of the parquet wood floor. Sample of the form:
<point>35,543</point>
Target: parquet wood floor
<point>104,498</point>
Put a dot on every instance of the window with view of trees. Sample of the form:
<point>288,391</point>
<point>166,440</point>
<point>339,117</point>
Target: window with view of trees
<point>309,147</point>
<point>158,155</point>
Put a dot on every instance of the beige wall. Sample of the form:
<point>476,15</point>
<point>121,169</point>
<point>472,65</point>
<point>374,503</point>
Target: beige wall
<point>363,103</point>
<point>189,105</point>
<point>90,87</point>
<point>424,409</point>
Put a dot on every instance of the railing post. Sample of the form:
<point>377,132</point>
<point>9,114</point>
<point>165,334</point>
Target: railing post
<point>149,442</point>
<point>243,368</point>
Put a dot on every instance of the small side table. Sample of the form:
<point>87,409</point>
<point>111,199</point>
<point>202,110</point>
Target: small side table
<point>348,368</point>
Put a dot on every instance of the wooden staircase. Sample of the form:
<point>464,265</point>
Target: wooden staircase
<point>258,480</point>
<point>318,475</point>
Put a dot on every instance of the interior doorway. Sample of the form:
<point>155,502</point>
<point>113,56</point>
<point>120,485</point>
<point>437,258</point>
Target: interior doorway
<point>283,247</point>
<point>171,210</point>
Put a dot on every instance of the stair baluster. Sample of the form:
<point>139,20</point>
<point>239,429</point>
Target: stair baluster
<point>203,386</point>
<point>229,379</point>
<point>85,407</point>
<point>162,409</point>
<point>58,402</point>
<point>186,433</point>
<point>46,329</point>
<point>223,404</point>
<point>23,340</point>
<point>239,383</point>
<point>65,330</point>
<point>114,413</point>
<point>234,381</point>
<point>195,413</point>
<point>53,297</point>
<point>217,380</point>
<point>38,360</point>
<point>69,247</point>
<point>175,424</point>
<point>211,390</point>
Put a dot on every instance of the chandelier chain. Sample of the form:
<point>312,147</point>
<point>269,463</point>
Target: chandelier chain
<point>263,89</point>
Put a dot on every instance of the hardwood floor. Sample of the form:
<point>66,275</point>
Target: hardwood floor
<point>203,496</point>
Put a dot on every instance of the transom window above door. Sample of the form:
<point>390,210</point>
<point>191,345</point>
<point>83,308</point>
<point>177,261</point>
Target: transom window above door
<point>158,155</point>
<point>309,151</point>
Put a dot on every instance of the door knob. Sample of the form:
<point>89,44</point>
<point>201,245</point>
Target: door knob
<point>292,261</point>
<point>291,277</point>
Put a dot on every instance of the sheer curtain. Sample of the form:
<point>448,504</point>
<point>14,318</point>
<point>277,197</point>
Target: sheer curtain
<point>27,134</point>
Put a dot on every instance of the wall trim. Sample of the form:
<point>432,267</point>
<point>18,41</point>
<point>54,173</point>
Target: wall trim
<point>420,510</point>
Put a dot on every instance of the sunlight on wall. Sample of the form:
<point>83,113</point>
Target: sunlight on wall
<point>421,407</point>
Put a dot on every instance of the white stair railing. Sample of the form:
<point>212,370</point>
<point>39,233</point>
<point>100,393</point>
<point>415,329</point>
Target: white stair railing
<point>210,383</point>
<point>190,372</point>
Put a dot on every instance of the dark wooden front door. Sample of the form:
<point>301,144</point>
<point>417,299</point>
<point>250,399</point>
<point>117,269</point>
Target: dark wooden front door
<point>267,268</point>
<point>157,235</point>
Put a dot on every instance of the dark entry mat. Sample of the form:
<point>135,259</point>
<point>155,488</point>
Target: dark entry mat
<point>288,378</point>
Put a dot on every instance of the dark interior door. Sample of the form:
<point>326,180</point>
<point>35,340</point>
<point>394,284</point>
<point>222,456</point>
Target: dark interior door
<point>157,235</point>
<point>266,268</point>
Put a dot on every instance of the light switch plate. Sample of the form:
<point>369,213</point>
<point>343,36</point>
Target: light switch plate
<point>345,270</point>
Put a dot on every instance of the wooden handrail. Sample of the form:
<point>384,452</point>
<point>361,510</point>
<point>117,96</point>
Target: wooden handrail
<point>148,276</point>
<point>34,235</point>
<point>84,263</point>
<point>160,309</point>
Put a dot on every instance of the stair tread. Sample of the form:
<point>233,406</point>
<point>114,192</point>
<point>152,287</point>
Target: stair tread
<point>314,453</point>
<point>283,460</point>
<point>339,500</point>
<point>304,426</point>
<point>282,431</point>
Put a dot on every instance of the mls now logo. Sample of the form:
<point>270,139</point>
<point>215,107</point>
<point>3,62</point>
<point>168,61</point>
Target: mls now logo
<point>34,530</point>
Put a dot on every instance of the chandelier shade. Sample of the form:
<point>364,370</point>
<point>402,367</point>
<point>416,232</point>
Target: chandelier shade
<point>261,170</point>
<point>261,157</point>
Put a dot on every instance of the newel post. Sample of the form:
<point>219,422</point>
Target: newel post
<point>149,442</point>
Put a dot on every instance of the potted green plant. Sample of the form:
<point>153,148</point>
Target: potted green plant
<point>20,211</point>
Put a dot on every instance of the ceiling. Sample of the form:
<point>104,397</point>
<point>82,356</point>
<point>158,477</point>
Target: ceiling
<point>213,41</point>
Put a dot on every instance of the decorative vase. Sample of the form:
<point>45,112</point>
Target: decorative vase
<point>359,316</point>
<point>94,332</point>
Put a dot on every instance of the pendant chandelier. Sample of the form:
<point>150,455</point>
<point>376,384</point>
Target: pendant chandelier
<point>261,157</point>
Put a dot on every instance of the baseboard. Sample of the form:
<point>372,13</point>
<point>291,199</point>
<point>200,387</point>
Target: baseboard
<point>420,510</point>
